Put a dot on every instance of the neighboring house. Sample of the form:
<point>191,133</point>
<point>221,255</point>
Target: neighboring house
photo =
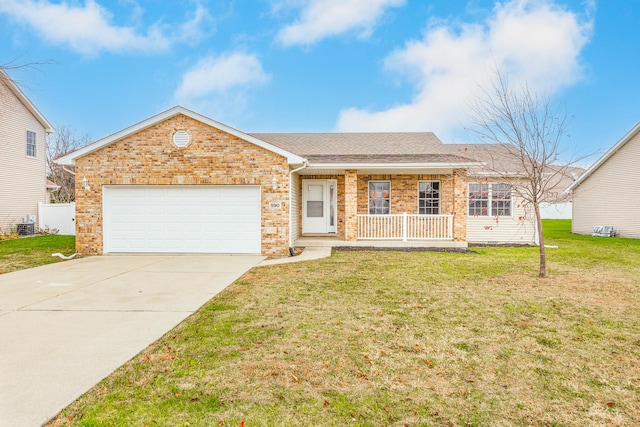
<point>560,205</point>
<point>51,188</point>
<point>23,132</point>
<point>608,193</point>
<point>181,182</point>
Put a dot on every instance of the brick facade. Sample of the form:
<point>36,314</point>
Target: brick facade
<point>460,204</point>
<point>213,157</point>
<point>351,205</point>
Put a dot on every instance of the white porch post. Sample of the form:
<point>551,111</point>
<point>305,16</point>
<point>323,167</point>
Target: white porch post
<point>404,226</point>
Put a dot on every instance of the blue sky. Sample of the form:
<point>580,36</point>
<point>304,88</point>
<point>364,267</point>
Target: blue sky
<point>324,65</point>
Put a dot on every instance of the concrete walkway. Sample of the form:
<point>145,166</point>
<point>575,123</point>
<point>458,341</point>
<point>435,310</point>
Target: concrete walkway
<point>308,254</point>
<point>66,326</point>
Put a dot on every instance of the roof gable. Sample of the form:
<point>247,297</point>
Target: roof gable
<point>606,156</point>
<point>70,158</point>
<point>13,87</point>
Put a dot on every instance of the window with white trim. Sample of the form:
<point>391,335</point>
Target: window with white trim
<point>500,199</point>
<point>32,147</point>
<point>491,199</point>
<point>379,197</point>
<point>429,197</point>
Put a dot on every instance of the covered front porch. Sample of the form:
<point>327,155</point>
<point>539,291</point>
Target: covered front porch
<point>403,207</point>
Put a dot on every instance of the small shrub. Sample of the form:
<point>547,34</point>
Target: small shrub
<point>10,234</point>
<point>47,231</point>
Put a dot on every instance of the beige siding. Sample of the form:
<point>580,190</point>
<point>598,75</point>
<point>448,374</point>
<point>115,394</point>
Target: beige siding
<point>22,179</point>
<point>295,207</point>
<point>611,194</point>
<point>519,228</point>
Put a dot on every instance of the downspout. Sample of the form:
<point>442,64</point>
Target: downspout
<point>305,163</point>
<point>67,170</point>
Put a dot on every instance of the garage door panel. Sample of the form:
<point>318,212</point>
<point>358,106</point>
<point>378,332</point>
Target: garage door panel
<point>182,219</point>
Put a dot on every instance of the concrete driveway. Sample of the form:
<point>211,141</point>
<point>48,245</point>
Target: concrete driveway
<point>66,326</point>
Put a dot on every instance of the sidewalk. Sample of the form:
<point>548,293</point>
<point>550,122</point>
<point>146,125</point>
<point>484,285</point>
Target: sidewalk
<point>309,253</point>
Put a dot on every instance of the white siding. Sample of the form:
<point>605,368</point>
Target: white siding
<point>611,194</point>
<point>22,179</point>
<point>519,228</point>
<point>295,207</point>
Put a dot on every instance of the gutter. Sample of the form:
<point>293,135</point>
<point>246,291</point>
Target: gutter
<point>305,164</point>
<point>67,170</point>
<point>392,165</point>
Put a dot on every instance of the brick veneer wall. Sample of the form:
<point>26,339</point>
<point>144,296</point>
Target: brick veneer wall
<point>213,157</point>
<point>350,205</point>
<point>460,203</point>
<point>404,192</point>
<point>404,196</point>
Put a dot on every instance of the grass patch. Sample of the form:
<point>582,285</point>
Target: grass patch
<point>399,338</point>
<point>33,251</point>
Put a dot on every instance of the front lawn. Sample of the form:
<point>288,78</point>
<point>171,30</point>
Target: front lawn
<point>394,339</point>
<point>33,251</point>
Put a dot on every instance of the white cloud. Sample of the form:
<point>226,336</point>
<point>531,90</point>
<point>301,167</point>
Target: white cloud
<point>217,75</point>
<point>323,18</point>
<point>531,41</point>
<point>89,29</point>
<point>191,31</point>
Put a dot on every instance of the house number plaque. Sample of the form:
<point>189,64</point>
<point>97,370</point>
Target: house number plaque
<point>275,205</point>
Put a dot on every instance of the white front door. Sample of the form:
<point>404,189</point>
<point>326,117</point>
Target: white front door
<point>319,207</point>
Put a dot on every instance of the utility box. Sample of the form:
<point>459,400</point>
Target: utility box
<point>26,229</point>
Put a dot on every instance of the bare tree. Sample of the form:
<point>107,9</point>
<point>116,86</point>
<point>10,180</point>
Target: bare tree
<point>530,129</point>
<point>63,141</point>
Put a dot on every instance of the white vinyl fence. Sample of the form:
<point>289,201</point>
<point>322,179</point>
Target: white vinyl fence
<point>60,216</point>
<point>556,210</point>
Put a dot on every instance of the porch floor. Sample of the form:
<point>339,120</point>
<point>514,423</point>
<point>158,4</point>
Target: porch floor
<point>333,241</point>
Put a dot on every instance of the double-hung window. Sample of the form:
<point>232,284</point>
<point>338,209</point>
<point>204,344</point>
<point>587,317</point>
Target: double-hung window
<point>478,199</point>
<point>429,197</point>
<point>32,147</point>
<point>489,199</point>
<point>501,199</point>
<point>379,197</point>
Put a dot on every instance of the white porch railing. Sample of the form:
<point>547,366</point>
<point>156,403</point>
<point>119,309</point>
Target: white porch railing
<point>405,227</point>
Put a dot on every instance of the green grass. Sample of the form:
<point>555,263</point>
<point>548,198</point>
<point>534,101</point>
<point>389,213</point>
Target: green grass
<point>33,251</point>
<point>583,251</point>
<point>394,339</point>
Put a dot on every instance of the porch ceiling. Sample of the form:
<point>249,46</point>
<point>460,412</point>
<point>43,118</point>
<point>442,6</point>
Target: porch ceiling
<point>386,164</point>
<point>376,170</point>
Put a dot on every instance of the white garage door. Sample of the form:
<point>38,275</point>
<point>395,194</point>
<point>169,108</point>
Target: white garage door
<point>182,219</point>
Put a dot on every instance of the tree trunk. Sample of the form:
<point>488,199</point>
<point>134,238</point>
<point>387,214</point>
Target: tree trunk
<point>543,252</point>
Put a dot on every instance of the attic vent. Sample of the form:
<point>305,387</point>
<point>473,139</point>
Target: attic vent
<point>181,138</point>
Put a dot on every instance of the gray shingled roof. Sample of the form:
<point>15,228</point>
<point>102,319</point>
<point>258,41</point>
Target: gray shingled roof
<point>502,158</point>
<point>496,157</point>
<point>399,147</point>
<point>386,158</point>
<point>307,144</point>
